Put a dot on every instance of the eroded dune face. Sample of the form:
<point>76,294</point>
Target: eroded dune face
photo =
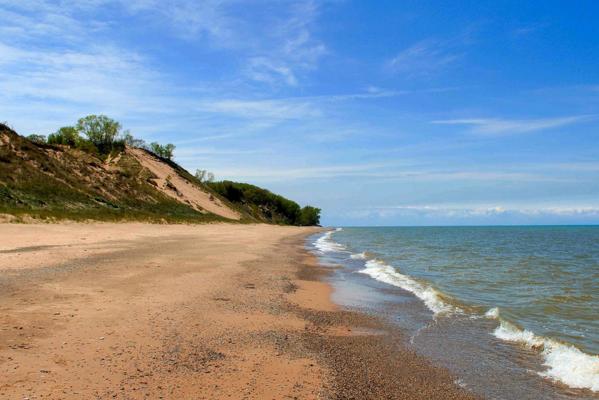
<point>172,184</point>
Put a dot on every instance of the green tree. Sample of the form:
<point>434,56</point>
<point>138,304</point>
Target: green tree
<point>100,130</point>
<point>165,151</point>
<point>309,216</point>
<point>66,135</point>
<point>169,150</point>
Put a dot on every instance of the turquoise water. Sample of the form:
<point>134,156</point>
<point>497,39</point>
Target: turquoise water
<point>540,284</point>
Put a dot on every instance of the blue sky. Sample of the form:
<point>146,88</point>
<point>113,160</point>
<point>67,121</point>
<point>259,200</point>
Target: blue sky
<point>381,113</point>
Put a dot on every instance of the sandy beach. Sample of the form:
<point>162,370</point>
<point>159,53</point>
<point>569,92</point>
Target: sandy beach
<point>137,311</point>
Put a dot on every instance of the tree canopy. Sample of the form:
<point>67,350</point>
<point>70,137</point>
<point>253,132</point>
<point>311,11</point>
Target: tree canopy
<point>100,130</point>
<point>288,210</point>
<point>164,151</point>
<point>67,135</point>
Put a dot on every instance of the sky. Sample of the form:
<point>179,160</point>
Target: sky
<point>378,112</point>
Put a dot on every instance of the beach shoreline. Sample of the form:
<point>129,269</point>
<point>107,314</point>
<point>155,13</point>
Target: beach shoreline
<point>189,311</point>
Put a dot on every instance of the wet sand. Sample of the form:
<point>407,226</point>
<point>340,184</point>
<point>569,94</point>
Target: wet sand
<point>136,311</point>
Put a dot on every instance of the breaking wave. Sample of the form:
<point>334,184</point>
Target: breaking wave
<point>565,363</point>
<point>326,244</point>
<point>430,296</point>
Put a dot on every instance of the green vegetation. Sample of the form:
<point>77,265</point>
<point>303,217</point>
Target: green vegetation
<point>67,135</point>
<point>165,151</point>
<point>71,175</point>
<point>101,131</point>
<point>101,136</point>
<point>74,185</point>
<point>309,216</point>
<point>263,204</point>
<point>37,138</point>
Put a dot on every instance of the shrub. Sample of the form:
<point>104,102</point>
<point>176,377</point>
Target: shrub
<point>37,138</point>
<point>129,140</point>
<point>67,135</point>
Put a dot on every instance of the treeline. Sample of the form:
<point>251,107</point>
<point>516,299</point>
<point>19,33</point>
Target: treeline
<point>100,135</point>
<point>267,201</point>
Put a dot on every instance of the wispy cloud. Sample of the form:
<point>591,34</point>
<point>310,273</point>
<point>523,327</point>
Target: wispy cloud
<point>276,48</point>
<point>292,49</point>
<point>96,79</point>
<point>381,171</point>
<point>262,109</point>
<point>528,29</point>
<point>318,172</point>
<point>424,58</point>
<point>456,213</point>
<point>497,126</point>
<point>287,108</point>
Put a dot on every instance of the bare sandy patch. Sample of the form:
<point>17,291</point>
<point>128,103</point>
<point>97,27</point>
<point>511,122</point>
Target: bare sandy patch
<point>169,182</point>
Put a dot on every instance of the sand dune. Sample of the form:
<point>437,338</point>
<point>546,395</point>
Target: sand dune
<point>172,184</point>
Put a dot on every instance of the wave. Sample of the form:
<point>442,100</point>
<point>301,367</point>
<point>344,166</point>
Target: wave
<point>493,313</point>
<point>326,244</point>
<point>431,297</point>
<point>359,256</point>
<point>565,363</point>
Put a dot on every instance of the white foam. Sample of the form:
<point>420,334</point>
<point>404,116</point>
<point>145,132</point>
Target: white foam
<point>565,363</point>
<point>493,313</point>
<point>326,244</point>
<point>386,273</point>
<point>359,256</point>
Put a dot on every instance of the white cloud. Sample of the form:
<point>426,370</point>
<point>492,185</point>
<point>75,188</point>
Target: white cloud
<point>275,110</point>
<point>275,48</point>
<point>291,48</point>
<point>378,171</point>
<point>105,77</point>
<point>424,58</point>
<point>497,126</point>
<point>263,69</point>
<point>325,171</point>
<point>478,212</point>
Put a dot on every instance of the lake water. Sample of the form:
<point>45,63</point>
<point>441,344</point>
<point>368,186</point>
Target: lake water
<point>512,311</point>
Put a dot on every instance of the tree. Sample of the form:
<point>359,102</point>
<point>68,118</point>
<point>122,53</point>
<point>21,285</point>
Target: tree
<point>169,149</point>
<point>204,176</point>
<point>66,135</point>
<point>165,151</point>
<point>100,130</point>
<point>200,174</point>
<point>132,141</point>
<point>309,216</point>
<point>37,138</point>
